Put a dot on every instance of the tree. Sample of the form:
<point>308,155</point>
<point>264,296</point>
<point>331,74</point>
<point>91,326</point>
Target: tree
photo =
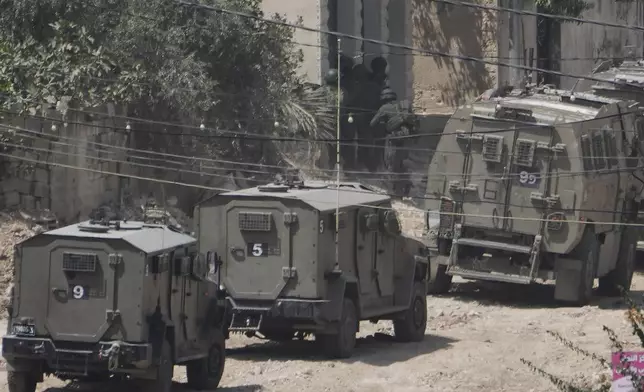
<point>164,61</point>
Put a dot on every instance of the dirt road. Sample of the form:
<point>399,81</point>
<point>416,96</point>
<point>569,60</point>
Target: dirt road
<point>476,336</point>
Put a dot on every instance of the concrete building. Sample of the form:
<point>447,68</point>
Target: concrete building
<point>432,82</point>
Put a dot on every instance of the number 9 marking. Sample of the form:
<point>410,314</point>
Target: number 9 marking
<point>78,292</point>
<point>257,250</point>
<point>532,179</point>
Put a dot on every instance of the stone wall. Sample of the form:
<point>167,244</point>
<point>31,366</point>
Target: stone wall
<point>62,169</point>
<point>582,43</point>
<point>442,83</point>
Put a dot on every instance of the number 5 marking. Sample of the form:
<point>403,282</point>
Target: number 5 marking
<point>257,250</point>
<point>78,292</point>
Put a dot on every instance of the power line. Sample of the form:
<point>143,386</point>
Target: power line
<point>344,142</point>
<point>393,195</point>
<point>403,175</point>
<point>401,46</point>
<point>532,13</point>
<point>320,201</point>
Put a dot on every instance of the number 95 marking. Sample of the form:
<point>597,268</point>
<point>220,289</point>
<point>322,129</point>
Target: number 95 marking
<point>528,178</point>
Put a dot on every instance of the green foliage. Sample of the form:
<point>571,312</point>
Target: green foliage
<point>164,61</point>
<point>572,8</point>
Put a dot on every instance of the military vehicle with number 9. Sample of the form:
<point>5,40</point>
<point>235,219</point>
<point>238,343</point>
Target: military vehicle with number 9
<point>534,185</point>
<point>103,298</point>
<point>279,270</point>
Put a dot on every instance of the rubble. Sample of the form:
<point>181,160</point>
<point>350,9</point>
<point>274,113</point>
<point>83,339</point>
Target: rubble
<point>15,228</point>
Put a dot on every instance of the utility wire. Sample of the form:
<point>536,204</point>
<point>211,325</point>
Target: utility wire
<point>544,15</point>
<point>86,156</point>
<point>318,201</point>
<point>345,143</point>
<point>401,46</point>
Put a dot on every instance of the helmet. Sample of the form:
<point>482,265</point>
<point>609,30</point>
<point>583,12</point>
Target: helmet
<point>331,77</point>
<point>388,94</point>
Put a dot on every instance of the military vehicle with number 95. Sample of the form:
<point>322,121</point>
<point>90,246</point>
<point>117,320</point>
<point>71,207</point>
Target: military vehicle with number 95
<point>534,185</point>
<point>280,273</point>
<point>103,298</point>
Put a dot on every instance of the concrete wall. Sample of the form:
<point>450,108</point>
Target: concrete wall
<point>592,41</point>
<point>68,192</point>
<point>441,83</point>
<point>516,33</point>
<point>313,14</point>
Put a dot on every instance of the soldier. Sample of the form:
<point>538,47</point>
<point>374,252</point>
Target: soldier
<point>399,121</point>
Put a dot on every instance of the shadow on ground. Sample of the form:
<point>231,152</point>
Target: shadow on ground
<point>376,350</point>
<point>124,386</point>
<point>526,296</point>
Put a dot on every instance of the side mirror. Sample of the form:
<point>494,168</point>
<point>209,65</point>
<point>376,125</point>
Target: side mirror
<point>391,224</point>
<point>372,222</point>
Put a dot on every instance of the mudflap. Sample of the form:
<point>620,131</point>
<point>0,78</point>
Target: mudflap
<point>568,279</point>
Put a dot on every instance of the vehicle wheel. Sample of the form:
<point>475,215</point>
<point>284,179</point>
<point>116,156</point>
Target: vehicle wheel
<point>439,282</point>
<point>341,345</point>
<point>206,373</point>
<point>21,381</point>
<point>411,328</point>
<point>622,275</point>
<point>163,382</point>
<point>588,252</point>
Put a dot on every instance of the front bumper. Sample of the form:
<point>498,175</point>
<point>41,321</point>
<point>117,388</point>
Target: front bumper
<point>75,358</point>
<point>252,316</point>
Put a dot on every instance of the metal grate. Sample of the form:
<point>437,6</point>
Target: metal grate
<point>525,152</point>
<point>255,221</point>
<point>611,147</point>
<point>586,153</point>
<point>79,262</point>
<point>598,151</point>
<point>447,206</point>
<point>492,148</point>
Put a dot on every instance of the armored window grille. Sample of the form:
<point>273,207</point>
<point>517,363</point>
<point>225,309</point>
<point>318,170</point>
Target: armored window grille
<point>587,156</point>
<point>611,147</point>
<point>446,213</point>
<point>598,151</point>
<point>79,262</point>
<point>492,148</point>
<point>524,155</point>
<point>255,221</point>
<point>640,128</point>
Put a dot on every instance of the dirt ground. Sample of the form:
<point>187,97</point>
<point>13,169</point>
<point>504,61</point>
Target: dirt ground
<point>475,338</point>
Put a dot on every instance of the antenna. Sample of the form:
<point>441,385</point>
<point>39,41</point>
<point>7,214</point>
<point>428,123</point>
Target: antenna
<point>337,164</point>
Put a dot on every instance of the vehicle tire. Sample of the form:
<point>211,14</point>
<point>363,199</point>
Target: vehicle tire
<point>206,373</point>
<point>21,381</point>
<point>439,281</point>
<point>342,344</point>
<point>622,275</point>
<point>163,382</point>
<point>588,252</point>
<point>411,328</point>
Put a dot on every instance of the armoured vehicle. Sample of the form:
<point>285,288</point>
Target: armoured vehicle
<point>280,273</point>
<point>535,185</point>
<point>129,299</point>
<point>624,80</point>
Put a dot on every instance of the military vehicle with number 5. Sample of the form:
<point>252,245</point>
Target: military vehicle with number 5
<point>534,185</point>
<point>276,246</point>
<point>102,298</point>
